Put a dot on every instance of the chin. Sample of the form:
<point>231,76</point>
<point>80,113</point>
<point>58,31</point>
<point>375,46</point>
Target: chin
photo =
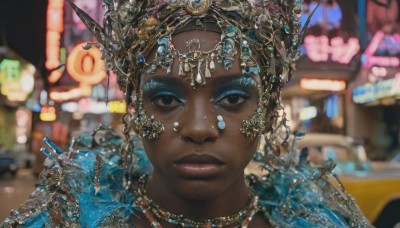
<point>200,189</point>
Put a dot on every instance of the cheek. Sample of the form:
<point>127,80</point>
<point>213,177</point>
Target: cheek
<point>240,145</point>
<point>162,149</point>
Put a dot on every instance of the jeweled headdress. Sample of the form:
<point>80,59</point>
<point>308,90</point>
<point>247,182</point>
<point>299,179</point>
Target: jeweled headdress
<point>267,30</point>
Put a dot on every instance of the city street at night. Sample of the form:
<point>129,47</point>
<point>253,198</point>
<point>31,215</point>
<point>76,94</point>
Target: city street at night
<point>15,190</point>
<point>200,113</point>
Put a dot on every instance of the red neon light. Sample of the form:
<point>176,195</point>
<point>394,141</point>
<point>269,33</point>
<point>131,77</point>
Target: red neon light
<point>370,60</point>
<point>55,27</point>
<point>319,49</point>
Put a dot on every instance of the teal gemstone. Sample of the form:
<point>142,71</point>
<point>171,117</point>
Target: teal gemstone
<point>274,78</point>
<point>231,30</point>
<point>245,51</point>
<point>163,41</point>
<point>270,48</point>
<point>255,70</point>
<point>227,63</point>
<point>221,125</point>
<point>253,34</point>
<point>286,29</point>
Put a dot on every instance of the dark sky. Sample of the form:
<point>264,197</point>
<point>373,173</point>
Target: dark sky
<point>23,28</point>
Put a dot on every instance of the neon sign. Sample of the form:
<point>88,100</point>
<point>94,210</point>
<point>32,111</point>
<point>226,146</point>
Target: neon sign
<point>74,93</point>
<point>16,79</point>
<point>9,70</point>
<point>374,91</point>
<point>323,84</point>
<point>378,72</point>
<point>86,66</point>
<point>48,113</point>
<point>88,105</point>
<point>307,113</point>
<point>55,26</point>
<point>369,59</point>
<point>23,125</point>
<point>321,49</point>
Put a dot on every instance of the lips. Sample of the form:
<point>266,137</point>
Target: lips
<point>198,166</point>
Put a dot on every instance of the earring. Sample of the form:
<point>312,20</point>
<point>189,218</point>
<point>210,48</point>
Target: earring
<point>176,126</point>
<point>221,122</point>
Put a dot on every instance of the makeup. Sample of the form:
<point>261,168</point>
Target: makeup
<point>164,92</point>
<point>237,89</point>
<point>163,84</point>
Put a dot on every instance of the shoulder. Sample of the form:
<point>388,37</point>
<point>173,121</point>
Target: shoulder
<point>83,187</point>
<point>301,195</point>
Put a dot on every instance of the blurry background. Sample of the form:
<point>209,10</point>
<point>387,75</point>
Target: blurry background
<point>347,82</point>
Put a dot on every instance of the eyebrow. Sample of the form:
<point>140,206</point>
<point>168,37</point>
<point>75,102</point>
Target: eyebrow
<point>165,82</point>
<point>234,80</point>
<point>157,83</point>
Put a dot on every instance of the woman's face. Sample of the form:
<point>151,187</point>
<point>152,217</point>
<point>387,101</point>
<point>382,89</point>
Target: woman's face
<point>198,160</point>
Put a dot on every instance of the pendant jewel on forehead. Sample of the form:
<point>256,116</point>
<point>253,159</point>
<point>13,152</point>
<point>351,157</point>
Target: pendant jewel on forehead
<point>197,7</point>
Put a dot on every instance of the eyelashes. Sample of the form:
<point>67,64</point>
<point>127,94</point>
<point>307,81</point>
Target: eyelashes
<point>166,100</point>
<point>232,98</point>
<point>168,94</point>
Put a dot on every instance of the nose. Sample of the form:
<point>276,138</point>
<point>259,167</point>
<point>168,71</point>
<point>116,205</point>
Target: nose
<point>198,127</point>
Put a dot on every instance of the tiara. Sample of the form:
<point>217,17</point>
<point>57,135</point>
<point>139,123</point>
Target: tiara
<point>269,30</point>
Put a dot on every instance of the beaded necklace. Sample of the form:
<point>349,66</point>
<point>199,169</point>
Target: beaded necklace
<point>154,212</point>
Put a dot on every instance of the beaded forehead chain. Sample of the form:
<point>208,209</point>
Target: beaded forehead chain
<point>266,33</point>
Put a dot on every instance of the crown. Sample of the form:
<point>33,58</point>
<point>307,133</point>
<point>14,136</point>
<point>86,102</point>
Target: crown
<point>132,29</point>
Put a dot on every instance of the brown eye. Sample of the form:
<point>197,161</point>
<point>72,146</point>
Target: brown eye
<point>232,100</point>
<point>166,101</point>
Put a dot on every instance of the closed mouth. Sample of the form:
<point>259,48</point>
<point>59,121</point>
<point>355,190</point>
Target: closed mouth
<point>199,159</point>
<point>195,166</point>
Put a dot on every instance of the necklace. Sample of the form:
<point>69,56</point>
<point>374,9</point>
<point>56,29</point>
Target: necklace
<point>154,212</point>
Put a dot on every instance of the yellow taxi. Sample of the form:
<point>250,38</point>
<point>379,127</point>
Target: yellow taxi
<point>374,185</point>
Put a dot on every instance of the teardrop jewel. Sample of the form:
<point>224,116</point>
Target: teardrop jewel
<point>199,78</point>
<point>187,67</point>
<point>207,72</point>
<point>212,63</point>
<point>181,73</point>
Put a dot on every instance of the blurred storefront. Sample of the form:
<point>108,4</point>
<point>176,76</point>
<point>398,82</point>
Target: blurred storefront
<point>81,94</point>
<point>19,85</point>
<point>316,95</point>
<point>374,107</point>
<point>79,86</point>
